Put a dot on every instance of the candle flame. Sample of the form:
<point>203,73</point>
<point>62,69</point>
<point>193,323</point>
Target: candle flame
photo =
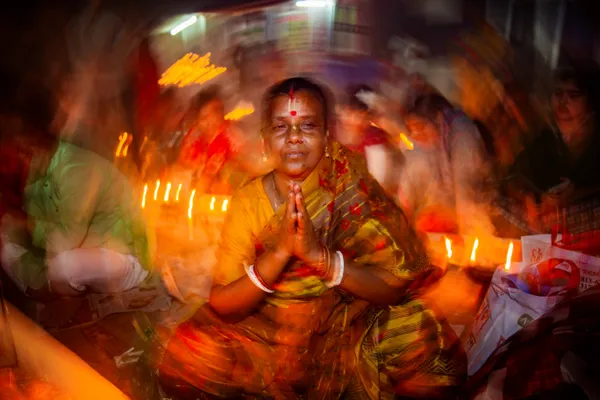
<point>224,206</point>
<point>191,205</point>
<point>178,191</point>
<point>509,256</point>
<point>474,251</point>
<point>156,189</point>
<point>212,203</point>
<point>448,247</point>
<point>167,191</point>
<point>144,195</point>
<point>122,140</point>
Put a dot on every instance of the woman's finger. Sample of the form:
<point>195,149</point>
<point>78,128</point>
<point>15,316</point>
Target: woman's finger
<point>302,214</point>
<point>290,213</point>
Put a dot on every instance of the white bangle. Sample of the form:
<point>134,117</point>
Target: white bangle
<point>338,275</point>
<point>252,275</point>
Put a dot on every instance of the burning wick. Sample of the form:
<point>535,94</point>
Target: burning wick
<point>212,203</point>
<point>167,191</point>
<point>509,256</point>
<point>191,205</point>
<point>178,191</point>
<point>448,247</point>
<point>224,206</point>
<point>474,251</point>
<point>144,196</point>
<point>156,189</point>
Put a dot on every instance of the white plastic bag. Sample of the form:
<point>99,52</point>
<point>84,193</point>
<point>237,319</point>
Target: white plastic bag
<point>589,266</point>
<point>503,313</point>
<point>535,248</point>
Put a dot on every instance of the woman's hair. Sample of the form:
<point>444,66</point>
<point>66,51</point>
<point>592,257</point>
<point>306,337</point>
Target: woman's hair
<point>204,97</point>
<point>429,106</point>
<point>586,79</point>
<point>295,85</point>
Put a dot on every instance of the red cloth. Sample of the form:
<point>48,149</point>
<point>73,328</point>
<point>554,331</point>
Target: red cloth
<point>372,136</point>
<point>194,147</point>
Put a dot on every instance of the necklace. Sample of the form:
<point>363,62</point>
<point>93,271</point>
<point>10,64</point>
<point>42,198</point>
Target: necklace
<point>277,195</point>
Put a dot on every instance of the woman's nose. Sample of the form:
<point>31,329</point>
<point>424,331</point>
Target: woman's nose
<point>294,135</point>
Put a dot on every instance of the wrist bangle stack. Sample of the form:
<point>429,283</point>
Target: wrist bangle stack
<point>258,280</point>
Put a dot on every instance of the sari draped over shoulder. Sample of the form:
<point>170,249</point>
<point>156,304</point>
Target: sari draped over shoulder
<point>308,341</point>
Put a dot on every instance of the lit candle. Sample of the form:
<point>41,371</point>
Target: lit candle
<point>190,210</point>
<point>144,195</point>
<point>212,203</point>
<point>167,191</point>
<point>509,256</point>
<point>178,191</point>
<point>224,206</point>
<point>448,247</point>
<point>156,189</point>
<point>474,251</point>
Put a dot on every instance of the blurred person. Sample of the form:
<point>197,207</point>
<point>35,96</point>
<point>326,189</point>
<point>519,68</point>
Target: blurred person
<point>574,148</point>
<point>360,134</point>
<point>164,133</point>
<point>318,280</point>
<point>559,167</point>
<point>74,223</point>
<point>209,144</point>
<point>444,181</point>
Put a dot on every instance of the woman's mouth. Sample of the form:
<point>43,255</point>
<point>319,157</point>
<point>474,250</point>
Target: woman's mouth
<point>293,155</point>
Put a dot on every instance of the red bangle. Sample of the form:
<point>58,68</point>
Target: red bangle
<point>261,280</point>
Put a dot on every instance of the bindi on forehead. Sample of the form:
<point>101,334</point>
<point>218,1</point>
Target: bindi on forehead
<point>299,106</point>
<point>292,103</point>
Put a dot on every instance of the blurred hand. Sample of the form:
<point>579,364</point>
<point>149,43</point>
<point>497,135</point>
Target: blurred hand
<point>306,246</point>
<point>287,229</point>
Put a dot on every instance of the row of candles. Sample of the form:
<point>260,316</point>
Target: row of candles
<point>473,260</point>
<point>216,204</point>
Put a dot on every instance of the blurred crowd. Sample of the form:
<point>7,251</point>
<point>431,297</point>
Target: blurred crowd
<point>490,161</point>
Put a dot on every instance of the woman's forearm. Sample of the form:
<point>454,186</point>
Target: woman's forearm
<point>374,285</point>
<point>238,299</point>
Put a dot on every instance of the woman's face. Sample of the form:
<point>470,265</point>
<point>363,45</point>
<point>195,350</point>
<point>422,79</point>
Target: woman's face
<point>211,116</point>
<point>295,135</point>
<point>569,105</point>
<point>422,130</point>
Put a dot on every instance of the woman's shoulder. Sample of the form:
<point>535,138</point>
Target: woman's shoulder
<point>250,192</point>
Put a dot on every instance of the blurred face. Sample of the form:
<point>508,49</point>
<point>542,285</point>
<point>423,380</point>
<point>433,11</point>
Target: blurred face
<point>569,105</point>
<point>295,136</point>
<point>353,122</point>
<point>422,130</point>
<point>211,116</point>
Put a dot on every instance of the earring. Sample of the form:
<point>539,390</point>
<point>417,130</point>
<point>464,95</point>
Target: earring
<point>327,155</point>
<point>264,153</point>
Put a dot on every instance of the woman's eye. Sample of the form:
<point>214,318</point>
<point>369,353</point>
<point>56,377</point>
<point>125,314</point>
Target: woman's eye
<point>308,126</point>
<point>279,127</point>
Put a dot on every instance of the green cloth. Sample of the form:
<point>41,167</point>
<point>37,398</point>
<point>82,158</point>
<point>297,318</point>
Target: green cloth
<point>81,201</point>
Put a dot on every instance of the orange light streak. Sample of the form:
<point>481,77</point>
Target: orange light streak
<point>474,251</point>
<point>448,247</point>
<point>167,191</point>
<point>122,140</point>
<point>509,256</point>
<point>144,195</point>
<point>178,191</point>
<point>156,189</point>
<point>191,204</point>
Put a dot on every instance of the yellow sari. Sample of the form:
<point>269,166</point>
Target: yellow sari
<point>308,341</point>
